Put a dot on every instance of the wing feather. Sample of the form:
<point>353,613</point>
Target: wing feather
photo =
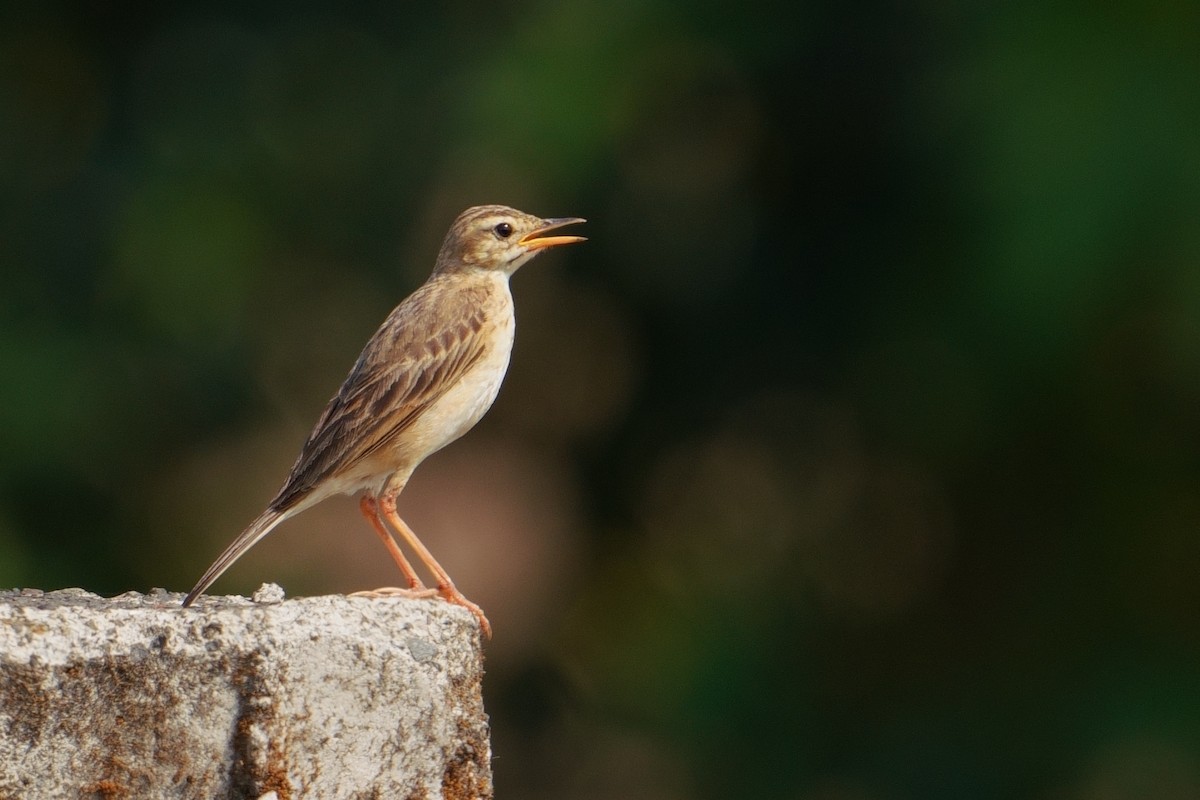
<point>420,351</point>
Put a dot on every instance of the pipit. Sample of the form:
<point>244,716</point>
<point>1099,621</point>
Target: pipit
<point>424,379</point>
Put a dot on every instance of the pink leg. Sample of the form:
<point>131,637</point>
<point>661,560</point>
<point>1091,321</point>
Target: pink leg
<point>370,510</point>
<point>387,504</point>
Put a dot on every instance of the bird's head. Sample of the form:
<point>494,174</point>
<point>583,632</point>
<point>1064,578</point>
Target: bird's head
<point>499,238</point>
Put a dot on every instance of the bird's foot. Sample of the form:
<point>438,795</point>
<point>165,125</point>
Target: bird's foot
<point>393,591</point>
<point>447,593</point>
<point>453,595</point>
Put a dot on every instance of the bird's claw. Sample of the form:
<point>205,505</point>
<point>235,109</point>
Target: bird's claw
<point>452,595</point>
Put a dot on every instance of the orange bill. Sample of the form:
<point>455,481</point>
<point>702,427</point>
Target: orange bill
<point>537,240</point>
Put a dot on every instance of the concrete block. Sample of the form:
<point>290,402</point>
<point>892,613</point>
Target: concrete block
<point>322,697</point>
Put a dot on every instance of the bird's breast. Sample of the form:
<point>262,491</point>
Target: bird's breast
<point>465,403</point>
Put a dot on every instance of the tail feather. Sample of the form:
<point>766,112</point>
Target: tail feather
<point>257,530</point>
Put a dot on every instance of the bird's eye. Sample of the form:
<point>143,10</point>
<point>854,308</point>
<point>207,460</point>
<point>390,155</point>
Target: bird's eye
<point>503,230</point>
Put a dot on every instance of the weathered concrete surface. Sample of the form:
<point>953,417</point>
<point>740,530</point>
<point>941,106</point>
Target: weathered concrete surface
<point>323,697</point>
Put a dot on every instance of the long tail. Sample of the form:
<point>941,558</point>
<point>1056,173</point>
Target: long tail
<point>258,529</point>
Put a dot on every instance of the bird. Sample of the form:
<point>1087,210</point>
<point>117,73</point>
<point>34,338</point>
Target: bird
<point>426,376</point>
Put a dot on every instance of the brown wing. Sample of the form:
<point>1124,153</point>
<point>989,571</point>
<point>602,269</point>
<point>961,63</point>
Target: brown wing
<point>422,349</point>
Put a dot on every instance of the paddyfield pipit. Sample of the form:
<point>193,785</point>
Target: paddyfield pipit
<point>424,379</point>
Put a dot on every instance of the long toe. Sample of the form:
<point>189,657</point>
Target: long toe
<point>394,591</point>
<point>452,595</point>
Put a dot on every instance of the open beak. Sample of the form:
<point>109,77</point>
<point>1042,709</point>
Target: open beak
<point>537,240</point>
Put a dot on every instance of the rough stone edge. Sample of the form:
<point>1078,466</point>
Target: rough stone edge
<point>467,772</point>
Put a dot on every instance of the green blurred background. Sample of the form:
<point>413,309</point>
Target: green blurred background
<point>854,457</point>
